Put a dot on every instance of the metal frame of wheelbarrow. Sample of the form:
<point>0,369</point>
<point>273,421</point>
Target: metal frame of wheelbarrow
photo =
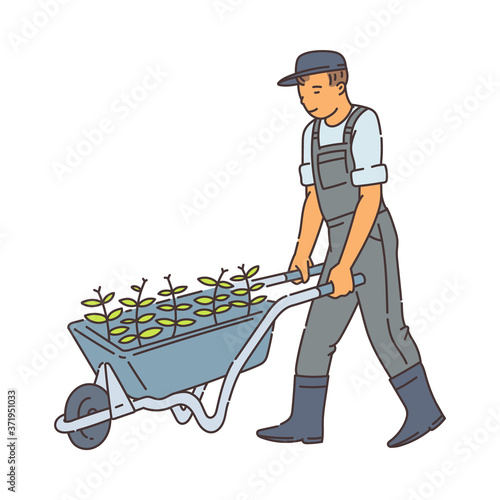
<point>186,404</point>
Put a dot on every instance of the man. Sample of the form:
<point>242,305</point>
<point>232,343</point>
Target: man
<point>343,173</point>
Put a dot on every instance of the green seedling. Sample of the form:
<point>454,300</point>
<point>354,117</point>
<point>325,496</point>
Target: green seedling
<point>104,318</point>
<point>246,293</point>
<point>206,300</point>
<point>140,319</point>
<point>174,306</point>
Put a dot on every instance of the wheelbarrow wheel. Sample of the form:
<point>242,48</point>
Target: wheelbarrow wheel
<point>85,400</point>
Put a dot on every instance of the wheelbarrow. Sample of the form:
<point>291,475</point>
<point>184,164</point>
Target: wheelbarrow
<point>172,374</point>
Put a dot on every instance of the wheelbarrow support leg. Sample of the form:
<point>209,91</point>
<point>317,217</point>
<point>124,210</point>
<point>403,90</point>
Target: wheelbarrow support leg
<point>181,413</point>
<point>119,402</point>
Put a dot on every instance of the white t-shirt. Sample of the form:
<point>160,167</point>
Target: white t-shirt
<point>366,148</point>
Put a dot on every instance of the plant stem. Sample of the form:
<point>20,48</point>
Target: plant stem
<point>98,291</point>
<point>174,302</point>
<point>242,267</point>
<point>137,312</point>
<point>214,307</point>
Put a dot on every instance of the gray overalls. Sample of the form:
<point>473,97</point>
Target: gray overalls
<point>379,298</point>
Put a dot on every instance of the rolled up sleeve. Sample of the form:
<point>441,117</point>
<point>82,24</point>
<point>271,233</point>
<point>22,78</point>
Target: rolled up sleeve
<point>367,151</point>
<point>305,168</point>
<point>306,174</point>
<point>376,174</point>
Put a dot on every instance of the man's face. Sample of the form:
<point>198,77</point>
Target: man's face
<point>318,98</point>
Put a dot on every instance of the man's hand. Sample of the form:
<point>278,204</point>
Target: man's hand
<point>341,278</point>
<point>301,263</point>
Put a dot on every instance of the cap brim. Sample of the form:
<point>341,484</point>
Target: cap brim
<point>290,80</point>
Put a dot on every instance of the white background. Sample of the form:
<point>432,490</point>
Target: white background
<point>117,217</point>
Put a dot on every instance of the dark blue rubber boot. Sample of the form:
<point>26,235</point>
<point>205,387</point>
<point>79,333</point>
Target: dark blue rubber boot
<point>422,412</point>
<point>306,420</point>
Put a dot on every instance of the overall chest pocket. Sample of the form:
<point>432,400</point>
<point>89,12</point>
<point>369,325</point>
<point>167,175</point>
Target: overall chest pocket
<point>332,169</point>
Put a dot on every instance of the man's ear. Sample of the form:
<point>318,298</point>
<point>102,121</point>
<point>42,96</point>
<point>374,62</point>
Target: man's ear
<point>341,88</point>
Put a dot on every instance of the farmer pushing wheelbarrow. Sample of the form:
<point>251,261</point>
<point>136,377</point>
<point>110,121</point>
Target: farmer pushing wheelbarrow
<point>139,367</point>
<point>343,173</point>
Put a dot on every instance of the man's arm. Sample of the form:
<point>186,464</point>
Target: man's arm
<point>362,223</point>
<point>310,226</point>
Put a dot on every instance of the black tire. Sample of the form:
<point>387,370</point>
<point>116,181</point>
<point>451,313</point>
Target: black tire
<point>85,400</point>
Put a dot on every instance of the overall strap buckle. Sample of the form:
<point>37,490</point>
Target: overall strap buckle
<point>349,126</point>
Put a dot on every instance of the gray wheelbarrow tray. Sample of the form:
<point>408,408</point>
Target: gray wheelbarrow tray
<point>173,373</point>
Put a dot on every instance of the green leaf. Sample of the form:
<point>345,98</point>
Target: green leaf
<point>166,307</point>
<point>136,288</point>
<point>150,332</point>
<point>127,339</point>
<point>128,302</point>
<point>96,318</point>
<point>128,320</point>
<point>222,297</point>
<point>238,303</point>
<point>118,330</point>
<point>109,297</point>
<point>146,302</point>
<point>222,309</point>
<point>204,300</point>
<point>203,312</point>
<point>186,322</point>
<point>225,284</point>
<point>115,314</point>
<point>207,281</point>
<point>257,300</point>
<point>184,307</point>
<point>165,292</point>
<point>252,271</point>
<point>166,322</point>
<point>91,302</point>
<point>180,289</point>
<point>145,318</point>
<point>257,286</point>
<point>241,291</point>
<point>238,277</point>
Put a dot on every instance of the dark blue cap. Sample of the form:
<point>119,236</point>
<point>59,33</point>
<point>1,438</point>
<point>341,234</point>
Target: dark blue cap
<point>316,61</point>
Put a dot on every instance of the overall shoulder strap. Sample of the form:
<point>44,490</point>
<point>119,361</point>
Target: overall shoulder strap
<point>315,130</point>
<point>351,121</point>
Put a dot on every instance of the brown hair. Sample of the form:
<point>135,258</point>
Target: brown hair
<point>335,77</point>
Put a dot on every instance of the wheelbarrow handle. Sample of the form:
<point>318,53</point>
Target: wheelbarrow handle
<point>212,423</point>
<point>277,279</point>
<point>327,288</point>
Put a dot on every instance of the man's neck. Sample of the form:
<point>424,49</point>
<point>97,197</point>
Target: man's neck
<point>343,109</point>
